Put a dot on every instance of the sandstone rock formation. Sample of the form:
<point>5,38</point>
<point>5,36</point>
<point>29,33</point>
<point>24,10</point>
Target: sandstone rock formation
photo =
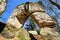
<point>13,19</point>
<point>40,17</point>
<point>37,13</point>
<point>49,34</point>
<point>2,5</point>
<point>12,33</point>
<point>43,19</point>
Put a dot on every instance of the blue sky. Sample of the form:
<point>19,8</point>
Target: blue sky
<point>11,4</point>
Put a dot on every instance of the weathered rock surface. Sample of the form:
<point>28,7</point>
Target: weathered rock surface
<point>49,34</point>
<point>12,33</point>
<point>34,7</point>
<point>19,16</point>
<point>37,13</point>
<point>13,19</point>
<point>2,6</point>
<point>43,19</point>
<point>33,32</point>
<point>36,37</point>
<point>22,17</point>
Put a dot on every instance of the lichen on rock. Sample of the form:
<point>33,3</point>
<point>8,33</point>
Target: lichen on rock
<point>11,33</point>
<point>49,34</point>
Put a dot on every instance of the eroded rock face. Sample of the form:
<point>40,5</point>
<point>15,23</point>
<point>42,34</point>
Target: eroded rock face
<point>38,37</point>
<point>43,19</point>
<point>2,5</point>
<point>13,19</point>
<point>12,33</point>
<point>34,7</point>
<point>49,34</point>
<point>21,15</point>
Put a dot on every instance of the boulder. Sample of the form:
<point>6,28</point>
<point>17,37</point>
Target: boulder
<point>43,19</point>
<point>34,7</point>
<point>2,6</point>
<point>22,18</point>
<point>12,33</point>
<point>14,21</point>
<point>33,32</point>
<point>49,34</point>
<point>36,37</point>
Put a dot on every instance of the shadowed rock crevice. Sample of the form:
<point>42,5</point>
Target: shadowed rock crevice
<point>2,26</point>
<point>32,37</point>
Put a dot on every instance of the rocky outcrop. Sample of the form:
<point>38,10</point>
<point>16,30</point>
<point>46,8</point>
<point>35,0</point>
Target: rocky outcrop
<point>49,34</point>
<point>20,14</point>
<point>11,33</point>
<point>40,17</point>
<point>37,12</point>
<point>13,19</point>
<point>2,6</point>
<point>35,7</point>
<point>43,19</point>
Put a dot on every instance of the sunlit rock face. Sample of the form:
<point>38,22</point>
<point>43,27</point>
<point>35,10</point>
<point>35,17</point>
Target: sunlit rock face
<point>52,7</point>
<point>2,5</point>
<point>12,33</point>
<point>20,14</point>
<point>34,7</point>
<point>49,34</point>
<point>36,11</point>
<point>43,19</point>
<point>13,20</point>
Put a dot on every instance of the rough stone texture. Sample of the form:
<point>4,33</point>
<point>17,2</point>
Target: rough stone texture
<point>38,37</point>
<point>33,32</point>
<point>49,34</point>
<point>43,19</point>
<point>2,6</point>
<point>12,33</point>
<point>34,7</point>
<point>13,19</point>
<point>37,13</point>
<point>21,15</point>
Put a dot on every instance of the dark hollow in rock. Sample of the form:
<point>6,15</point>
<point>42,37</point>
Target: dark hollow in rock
<point>2,26</point>
<point>32,37</point>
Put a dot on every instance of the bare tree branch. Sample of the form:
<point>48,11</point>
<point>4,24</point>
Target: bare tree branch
<point>55,4</point>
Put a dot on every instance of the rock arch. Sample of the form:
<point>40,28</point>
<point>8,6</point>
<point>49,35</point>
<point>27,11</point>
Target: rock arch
<point>36,11</point>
